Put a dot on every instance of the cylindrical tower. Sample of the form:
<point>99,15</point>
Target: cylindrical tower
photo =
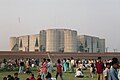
<point>70,41</point>
<point>42,40</point>
<point>52,40</point>
<point>61,40</point>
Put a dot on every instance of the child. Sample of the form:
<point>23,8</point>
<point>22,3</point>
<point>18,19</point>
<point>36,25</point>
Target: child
<point>16,76</point>
<point>32,77</point>
<point>59,69</point>
<point>79,73</point>
<point>39,77</point>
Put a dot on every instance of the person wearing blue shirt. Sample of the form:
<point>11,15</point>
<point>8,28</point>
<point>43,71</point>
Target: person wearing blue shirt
<point>114,69</point>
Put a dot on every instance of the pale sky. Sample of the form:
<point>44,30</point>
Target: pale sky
<point>91,17</point>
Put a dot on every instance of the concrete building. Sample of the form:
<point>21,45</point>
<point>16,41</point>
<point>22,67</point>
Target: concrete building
<point>42,40</point>
<point>52,40</point>
<point>14,43</point>
<point>61,40</point>
<point>23,43</point>
<point>34,42</point>
<point>57,40</point>
<point>90,44</point>
<point>70,41</point>
<point>102,45</point>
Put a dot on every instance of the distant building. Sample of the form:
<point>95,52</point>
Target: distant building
<point>57,40</point>
<point>90,44</point>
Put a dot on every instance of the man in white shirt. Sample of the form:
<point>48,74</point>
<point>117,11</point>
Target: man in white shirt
<point>79,73</point>
<point>50,66</point>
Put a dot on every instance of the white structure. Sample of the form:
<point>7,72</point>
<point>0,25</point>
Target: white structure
<point>23,44</point>
<point>61,40</point>
<point>70,41</point>
<point>34,43</point>
<point>14,43</point>
<point>52,40</point>
<point>57,40</point>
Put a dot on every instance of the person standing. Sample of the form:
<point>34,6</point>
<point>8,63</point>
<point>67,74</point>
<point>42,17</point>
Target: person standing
<point>64,65</point>
<point>49,66</point>
<point>21,66</point>
<point>99,69</point>
<point>106,72</point>
<point>114,69</point>
<point>68,64</point>
<point>59,69</point>
<point>72,64</point>
<point>44,69</point>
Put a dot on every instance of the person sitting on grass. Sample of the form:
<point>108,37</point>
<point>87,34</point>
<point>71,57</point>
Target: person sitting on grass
<point>16,76</point>
<point>28,70</point>
<point>79,74</point>
<point>39,77</point>
<point>32,77</point>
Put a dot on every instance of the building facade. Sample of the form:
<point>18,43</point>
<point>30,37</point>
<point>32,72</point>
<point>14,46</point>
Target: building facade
<point>57,40</point>
<point>90,44</point>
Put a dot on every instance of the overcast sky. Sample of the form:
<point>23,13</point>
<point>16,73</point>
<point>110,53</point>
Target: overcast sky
<point>91,17</point>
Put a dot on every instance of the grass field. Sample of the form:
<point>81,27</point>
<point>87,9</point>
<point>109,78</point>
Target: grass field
<point>66,76</point>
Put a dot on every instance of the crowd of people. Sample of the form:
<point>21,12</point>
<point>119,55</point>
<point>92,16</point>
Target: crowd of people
<point>15,77</point>
<point>12,64</point>
<point>105,70</point>
<point>108,70</point>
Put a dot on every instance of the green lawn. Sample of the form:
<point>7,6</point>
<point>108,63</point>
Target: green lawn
<point>67,76</point>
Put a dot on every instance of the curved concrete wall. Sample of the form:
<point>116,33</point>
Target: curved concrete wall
<point>42,40</point>
<point>57,40</point>
<point>70,41</point>
<point>52,40</point>
<point>61,40</point>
